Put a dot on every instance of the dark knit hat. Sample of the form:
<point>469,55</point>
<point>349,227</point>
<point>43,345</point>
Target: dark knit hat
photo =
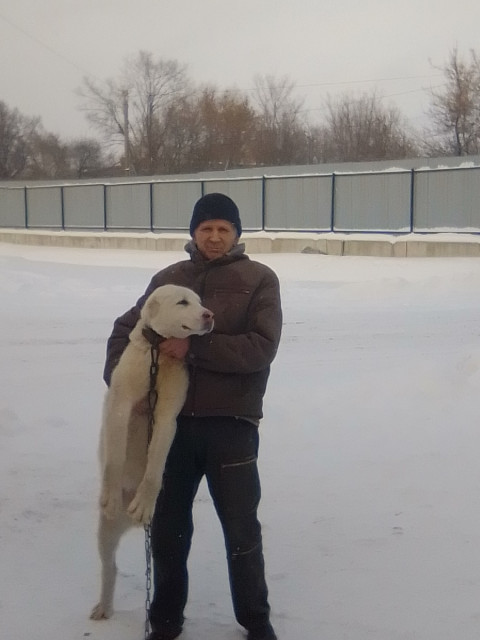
<point>215,206</point>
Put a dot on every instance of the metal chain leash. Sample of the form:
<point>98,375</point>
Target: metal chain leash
<point>148,576</point>
<point>152,403</point>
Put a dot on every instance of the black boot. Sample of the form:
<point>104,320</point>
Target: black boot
<point>166,634</point>
<point>265,632</point>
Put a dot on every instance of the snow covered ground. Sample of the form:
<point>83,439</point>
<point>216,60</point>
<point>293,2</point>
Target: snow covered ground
<point>369,451</point>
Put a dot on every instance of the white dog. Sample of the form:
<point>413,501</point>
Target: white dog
<point>131,467</point>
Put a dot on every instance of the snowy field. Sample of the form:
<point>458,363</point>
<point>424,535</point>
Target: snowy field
<point>369,451</point>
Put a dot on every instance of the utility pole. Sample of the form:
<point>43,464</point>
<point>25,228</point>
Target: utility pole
<point>125,132</point>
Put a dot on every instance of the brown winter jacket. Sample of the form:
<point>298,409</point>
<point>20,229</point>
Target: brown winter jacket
<point>229,367</point>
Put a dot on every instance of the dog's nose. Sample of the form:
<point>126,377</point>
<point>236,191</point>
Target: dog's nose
<point>207,314</point>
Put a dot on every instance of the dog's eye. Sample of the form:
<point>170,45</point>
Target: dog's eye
<point>183,302</point>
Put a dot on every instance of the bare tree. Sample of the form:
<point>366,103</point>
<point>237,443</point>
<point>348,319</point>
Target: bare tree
<point>280,124</point>
<point>181,136</point>
<point>132,108</point>
<point>226,125</point>
<point>16,132</point>
<point>85,158</point>
<point>361,128</point>
<point>455,109</point>
<point>208,129</point>
<point>28,151</point>
<point>48,156</point>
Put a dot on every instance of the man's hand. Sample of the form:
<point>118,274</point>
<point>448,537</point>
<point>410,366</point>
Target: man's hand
<point>175,347</point>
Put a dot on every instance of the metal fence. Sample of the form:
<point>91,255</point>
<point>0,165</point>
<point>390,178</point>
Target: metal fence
<point>389,201</point>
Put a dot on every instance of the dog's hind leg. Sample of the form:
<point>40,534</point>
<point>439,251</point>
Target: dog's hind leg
<point>109,534</point>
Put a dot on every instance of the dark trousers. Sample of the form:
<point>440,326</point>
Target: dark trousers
<point>224,449</point>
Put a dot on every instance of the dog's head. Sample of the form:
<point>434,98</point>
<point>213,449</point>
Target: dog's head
<point>176,312</point>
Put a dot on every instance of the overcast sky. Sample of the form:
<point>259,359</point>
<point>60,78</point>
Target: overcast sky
<point>325,46</point>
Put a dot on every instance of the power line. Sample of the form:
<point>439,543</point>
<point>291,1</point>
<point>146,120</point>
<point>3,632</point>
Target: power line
<point>350,82</point>
<point>403,93</point>
<point>382,97</point>
<point>44,45</point>
<point>297,86</point>
<point>340,82</point>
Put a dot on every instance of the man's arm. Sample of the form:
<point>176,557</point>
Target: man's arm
<point>118,340</point>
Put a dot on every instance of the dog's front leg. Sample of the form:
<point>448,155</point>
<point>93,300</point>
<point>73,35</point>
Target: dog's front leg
<point>143,504</point>
<point>115,434</point>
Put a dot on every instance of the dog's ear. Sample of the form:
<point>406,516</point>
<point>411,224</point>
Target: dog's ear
<point>151,308</point>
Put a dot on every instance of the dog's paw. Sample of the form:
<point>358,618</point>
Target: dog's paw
<point>110,503</point>
<point>142,506</point>
<point>100,612</point>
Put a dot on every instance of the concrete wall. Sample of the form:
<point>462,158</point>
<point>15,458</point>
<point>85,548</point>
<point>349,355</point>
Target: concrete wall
<point>406,246</point>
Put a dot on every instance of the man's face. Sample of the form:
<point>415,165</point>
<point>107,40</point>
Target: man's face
<point>215,238</point>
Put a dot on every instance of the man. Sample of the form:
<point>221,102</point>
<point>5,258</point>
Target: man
<point>217,430</point>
